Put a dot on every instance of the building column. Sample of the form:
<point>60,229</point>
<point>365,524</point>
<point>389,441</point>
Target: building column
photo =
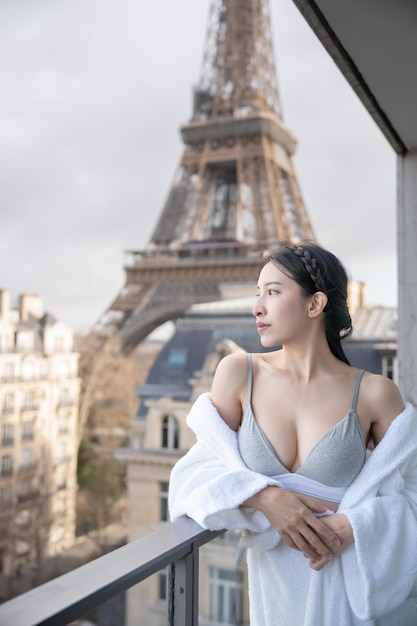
<point>407,275</point>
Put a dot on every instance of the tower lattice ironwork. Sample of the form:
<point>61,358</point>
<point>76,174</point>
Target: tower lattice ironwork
<point>235,192</point>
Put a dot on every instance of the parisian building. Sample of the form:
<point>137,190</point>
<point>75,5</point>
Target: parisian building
<point>39,398</point>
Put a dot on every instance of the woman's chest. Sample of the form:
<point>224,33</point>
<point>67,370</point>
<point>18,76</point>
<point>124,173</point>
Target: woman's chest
<point>295,419</point>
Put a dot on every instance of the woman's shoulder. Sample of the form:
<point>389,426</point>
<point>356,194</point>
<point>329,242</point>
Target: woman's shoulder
<point>227,390</point>
<point>240,360</point>
<point>235,362</point>
<point>382,401</point>
<point>380,390</point>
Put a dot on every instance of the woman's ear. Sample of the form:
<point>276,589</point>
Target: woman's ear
<point>318,303</point>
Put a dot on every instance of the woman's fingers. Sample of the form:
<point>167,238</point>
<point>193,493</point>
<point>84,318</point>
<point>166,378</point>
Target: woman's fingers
<point>296,523</point>
<point>318,564</point>
<point>308,542</point>
<point>324,531</point>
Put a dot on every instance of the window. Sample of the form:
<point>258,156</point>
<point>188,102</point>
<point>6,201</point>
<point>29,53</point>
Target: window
<point>177,359</point>
<point>22,547</point>
<point>23,518</point>
<point>26,458</point>
<point>65,398</point>
<point>226,596</point>
<point>61,478</point>
<point>7,435</point>
<point>8,403</point>
<point>6,464</point>
<point>170,432</point>
<point>29,401</point>
<point>63,421</point>
<point>63,369</point>
<point>27,430</point>
<point>390,367</point>
<point>4,531</point>
<point>59,506</point>
<point>6,496</point>
<point>4,343</point>
<point>57,534</point>
<point>163,502</point>
<point>26,490</point>
<point>25,341</point>
<point>9,372</point>
<point>62,453</point>
<point>28,370</point>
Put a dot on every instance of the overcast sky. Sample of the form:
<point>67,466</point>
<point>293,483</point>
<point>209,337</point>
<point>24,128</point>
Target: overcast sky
<point>93,93</point>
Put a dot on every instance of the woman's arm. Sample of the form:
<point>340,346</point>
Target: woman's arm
<point>296,524</point>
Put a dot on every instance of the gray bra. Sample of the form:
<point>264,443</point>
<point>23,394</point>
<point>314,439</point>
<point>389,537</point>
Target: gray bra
<point>335,459</point>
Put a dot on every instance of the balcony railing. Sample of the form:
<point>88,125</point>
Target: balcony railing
<point>69,597</point>
<point>25,497</point>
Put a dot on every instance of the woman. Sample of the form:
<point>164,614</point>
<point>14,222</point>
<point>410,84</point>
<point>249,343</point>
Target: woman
<point>281,453</point>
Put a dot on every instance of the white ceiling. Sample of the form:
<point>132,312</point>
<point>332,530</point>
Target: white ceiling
<point>374,44</point>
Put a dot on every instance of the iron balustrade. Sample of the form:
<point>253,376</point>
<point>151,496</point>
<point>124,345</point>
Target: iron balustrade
<point>69,597</point>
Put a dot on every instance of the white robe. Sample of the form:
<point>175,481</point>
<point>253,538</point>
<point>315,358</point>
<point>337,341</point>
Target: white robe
<point>371,583</point>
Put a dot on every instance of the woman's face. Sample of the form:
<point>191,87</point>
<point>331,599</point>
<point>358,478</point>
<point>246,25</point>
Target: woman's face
<point>281,308</point>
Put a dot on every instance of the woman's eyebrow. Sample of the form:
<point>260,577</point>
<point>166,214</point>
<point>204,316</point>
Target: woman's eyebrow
<point>268,284</point>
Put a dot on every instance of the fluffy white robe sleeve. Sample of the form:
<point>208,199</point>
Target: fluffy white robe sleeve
<point>374,575</point>
<point>381,505</point>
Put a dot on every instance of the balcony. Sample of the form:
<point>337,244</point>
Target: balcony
<point>30,408</point>
<point>7,410</point>
<point>26,497</point>
<point>66,403</point>
<point>28,467</point>
<point>7,442</point>
<point>70,596</point>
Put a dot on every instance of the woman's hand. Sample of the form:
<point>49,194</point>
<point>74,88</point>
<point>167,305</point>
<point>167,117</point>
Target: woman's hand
<point>295,522</point>
<point>339,524</point>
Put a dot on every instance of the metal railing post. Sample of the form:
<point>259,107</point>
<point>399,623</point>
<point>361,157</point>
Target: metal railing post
<point>183,609</point>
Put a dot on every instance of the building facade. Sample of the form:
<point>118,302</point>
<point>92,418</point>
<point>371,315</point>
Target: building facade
<point>39,398</point>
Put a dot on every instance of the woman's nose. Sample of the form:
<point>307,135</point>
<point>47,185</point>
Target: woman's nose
<point>258,309</point>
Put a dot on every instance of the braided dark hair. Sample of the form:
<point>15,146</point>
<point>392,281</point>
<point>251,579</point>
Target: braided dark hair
<point>310,263</point>
<point>315,269</point>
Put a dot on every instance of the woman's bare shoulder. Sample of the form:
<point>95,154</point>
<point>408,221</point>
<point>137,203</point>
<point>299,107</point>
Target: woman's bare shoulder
<point>229,383</point>
<point>233,366</point>
<point>381,392</point>
<point>382,401</point>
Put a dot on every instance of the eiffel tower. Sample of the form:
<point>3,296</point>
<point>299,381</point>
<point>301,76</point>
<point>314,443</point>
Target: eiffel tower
<point>235,192</point>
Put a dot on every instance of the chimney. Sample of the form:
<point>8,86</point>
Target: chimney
<point>30,303</point>
<point>356,295</point>
<point>4,304</point>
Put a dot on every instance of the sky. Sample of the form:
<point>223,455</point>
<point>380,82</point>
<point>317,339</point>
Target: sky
<point>93,93</point>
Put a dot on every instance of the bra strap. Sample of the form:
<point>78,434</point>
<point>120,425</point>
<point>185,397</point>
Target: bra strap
<point>249,379</point>
<point>356,390</point>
